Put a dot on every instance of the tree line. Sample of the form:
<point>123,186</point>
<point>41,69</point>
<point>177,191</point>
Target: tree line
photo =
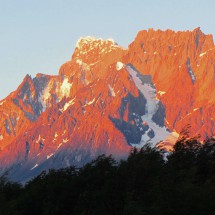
<point>144,184</point>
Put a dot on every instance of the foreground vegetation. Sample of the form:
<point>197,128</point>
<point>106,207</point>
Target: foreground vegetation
<point>143,184</point>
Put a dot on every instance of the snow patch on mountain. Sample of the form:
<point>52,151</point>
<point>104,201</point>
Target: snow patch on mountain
<point>195,109</point>
<point>161,133</point>
<point>65,88</point>
<point>84,40</point>
<point>41,101</point>
<point>119,65</point>
<point>79,62</point>
<point>2,102</point>
<point>65,140</point>
<point>90,102</point>
<point>46,94</point>
<point>67,104</point>
<point>59,145</point>
<point>36,165</point>
<point>38,139</point>
<point>202,54</point>
<point>161,93</point>
<point>111,90</point>
<point>48,156</point>
<point>149,92</point>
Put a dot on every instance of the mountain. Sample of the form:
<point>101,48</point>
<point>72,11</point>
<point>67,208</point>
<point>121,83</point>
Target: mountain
<point>107,99</point>
<point>182,68</point>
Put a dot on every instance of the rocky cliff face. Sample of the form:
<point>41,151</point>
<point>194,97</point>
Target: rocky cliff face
<point>107,99</point>
<point>182,68</point>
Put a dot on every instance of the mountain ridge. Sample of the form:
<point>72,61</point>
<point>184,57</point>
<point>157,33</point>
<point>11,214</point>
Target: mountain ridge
<point>107,99</point>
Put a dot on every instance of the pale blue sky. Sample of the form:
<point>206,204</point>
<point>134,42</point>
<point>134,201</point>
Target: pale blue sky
<point>37,36</point>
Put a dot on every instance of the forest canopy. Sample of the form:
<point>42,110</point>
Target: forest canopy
<point>144,183</point>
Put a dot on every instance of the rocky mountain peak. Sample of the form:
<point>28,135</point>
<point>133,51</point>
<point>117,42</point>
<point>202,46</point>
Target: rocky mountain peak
<point>107,99</point>
<point>91,50</point>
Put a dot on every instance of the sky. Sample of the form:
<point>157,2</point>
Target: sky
<point>38,36</point>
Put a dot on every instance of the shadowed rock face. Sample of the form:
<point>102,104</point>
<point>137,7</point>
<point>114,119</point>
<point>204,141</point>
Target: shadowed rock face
<point>106,99</point>
<point>130,122</point>
<point>160,115</point>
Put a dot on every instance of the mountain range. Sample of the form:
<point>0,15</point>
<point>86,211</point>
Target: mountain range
<point>107,99</point>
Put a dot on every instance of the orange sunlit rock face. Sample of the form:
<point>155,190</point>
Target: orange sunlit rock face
<point>182,68</point>
<point>107,98</point>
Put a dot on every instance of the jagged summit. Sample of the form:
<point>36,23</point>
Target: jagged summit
<point>89,47</point>
<point>175,38</point>
<point>86,44</point>
<point>196,30</point>
<point>89,40</point>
